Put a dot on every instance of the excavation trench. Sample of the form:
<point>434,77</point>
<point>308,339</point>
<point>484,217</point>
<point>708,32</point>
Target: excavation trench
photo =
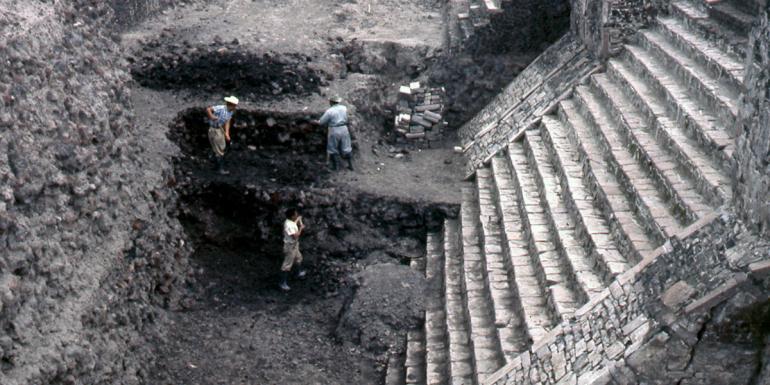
<point>337,325</point>
<point>224,67</point>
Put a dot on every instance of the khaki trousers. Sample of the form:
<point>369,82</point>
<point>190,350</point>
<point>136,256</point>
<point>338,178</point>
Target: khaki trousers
<point>291,256</point>
<point>217,139</point>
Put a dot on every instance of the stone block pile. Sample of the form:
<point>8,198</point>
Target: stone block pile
<point>419,115</point>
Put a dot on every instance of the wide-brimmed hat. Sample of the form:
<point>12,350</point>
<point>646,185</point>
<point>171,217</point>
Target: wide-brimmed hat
<point>335,99</point>
<point>232,100</point>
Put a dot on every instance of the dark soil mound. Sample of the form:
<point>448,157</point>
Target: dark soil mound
<point>224,67</point>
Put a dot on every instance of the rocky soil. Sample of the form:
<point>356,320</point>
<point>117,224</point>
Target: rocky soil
<point>90,260</point>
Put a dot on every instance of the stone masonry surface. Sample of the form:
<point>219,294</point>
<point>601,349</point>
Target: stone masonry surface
<point>554,72</point>
<point>89,255</point>
<point>609,339</point>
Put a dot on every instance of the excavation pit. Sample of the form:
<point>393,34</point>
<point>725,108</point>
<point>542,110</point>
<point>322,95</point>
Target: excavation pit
<point>357,249</point>
<point>266,147</point>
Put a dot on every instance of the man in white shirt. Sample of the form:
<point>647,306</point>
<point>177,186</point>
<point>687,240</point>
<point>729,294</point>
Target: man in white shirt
<point>292,230</point>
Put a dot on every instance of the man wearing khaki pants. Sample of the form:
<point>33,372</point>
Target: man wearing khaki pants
<point>292,230</point>
<point>219,118</point>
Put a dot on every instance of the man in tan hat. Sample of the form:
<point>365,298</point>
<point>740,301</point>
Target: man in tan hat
<point>219,118</point>
<point>338,138</point>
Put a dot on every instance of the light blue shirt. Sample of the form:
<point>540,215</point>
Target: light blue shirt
<point>335,116</point>
<point>222,115</point>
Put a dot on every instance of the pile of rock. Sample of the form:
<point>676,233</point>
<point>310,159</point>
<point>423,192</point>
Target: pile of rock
<point>419,113</point>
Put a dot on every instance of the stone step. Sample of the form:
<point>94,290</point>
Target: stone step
<point>698,21</point>
<point>461,367</point>
<point>415,342</point>
<point>719,63</point>
<point>508,319</point>
<point>703,152</point>
<point>395,373</point>
<point>667,82</point>
<point>658,56</point>
<point>664,169</point>
<point>734,17</point>
<point>528,277</point>
<point>563,296</point>
<point>436,339</point>
<point>649,203</point>
<point>590,225</point>
<point>584,272</point>
<point>415,357</point>
<point>621,215</point>
<point>487,352</point>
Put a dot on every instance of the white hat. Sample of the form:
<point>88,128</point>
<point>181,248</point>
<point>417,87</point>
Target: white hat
<point>231,100</point>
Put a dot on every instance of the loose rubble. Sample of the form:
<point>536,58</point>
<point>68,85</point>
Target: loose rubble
<point>419,112</point>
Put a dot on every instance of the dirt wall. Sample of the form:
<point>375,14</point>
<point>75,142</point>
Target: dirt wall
<point>89,255</point>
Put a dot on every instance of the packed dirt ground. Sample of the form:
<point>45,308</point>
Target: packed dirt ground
<point>284,59</point>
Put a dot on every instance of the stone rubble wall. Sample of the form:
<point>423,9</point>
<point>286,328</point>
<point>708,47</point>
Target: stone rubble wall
<point>605,25</point>
<point>646,326</point>
<point>752,182</point>
<point>525,99</point>
<point>90,256</point>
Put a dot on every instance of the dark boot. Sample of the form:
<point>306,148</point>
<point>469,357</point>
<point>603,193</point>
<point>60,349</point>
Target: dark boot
<point>300,272</point>
<point>335,160</point>
<point>221,165</point>
<point>284,283</point>
<point>349,159</point>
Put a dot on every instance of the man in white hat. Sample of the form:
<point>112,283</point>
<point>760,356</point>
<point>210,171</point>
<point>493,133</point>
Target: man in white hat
<point>338,139</point>
<point>220,118</point>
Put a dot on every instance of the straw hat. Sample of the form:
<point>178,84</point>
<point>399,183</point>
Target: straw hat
<point>232,100</point>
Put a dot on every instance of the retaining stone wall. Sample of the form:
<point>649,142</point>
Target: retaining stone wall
<point>752,183</point>
<point>652,314</point>
<point>525,99</point>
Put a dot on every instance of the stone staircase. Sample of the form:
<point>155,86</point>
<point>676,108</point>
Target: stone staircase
<point>635,155</point>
